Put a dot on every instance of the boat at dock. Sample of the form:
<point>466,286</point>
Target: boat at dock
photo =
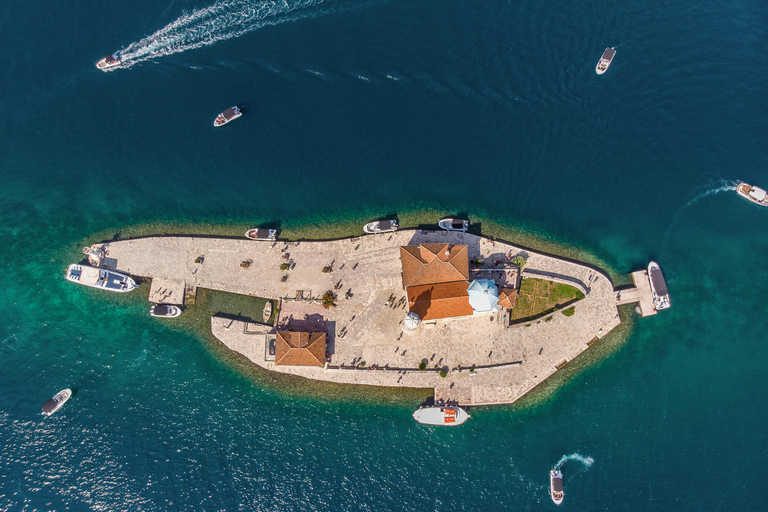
<point>55,403</point>
<point>556,486</point>
<point>267,311</point>
<point>752,194</point>
<point>261,234</point>
<point>454,225</point>
<point>227,116</point>
<point>109,62</point>
<point>380,226</point>
<point>605,60</point>
<point>164,311</point>
<point>99,278</point>
<point>447,416</point>
<point>658,287</point>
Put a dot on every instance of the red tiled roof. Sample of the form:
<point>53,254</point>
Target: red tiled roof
<point>434,263</point>
<point>507,297</point>
<point>442,300</point>
<point>300,348</point>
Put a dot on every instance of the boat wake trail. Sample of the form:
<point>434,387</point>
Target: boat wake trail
<point>586,461</point>
<point>223,20</point>
<point>716,188</point>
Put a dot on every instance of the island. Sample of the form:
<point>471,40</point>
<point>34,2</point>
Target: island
<point>478,320</point>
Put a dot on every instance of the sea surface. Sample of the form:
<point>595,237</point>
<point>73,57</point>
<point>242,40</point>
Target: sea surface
<point>362,109</point>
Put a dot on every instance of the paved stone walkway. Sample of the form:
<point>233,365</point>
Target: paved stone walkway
<point>362,329</point>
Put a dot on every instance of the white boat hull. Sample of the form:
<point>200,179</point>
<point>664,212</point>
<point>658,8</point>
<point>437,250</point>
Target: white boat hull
<point>660,296</point>
<point>754,195</point>
<point>261,234</point>
<point>556,486</point>
<point>164,311</point>
<point>55,403</point>
<point>100,278</point>
<point>376,227</point>
<point>605,61</point>
<point>454,225</point>
<point>441,416</point>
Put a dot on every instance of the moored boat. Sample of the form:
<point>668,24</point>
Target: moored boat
<point>267,311</point>
<point>605,61</point>
<point>556,486</point>
<point>261,234</point>
<point>381,226</point>
<point>753,194</point>
<point>228,115</point>
<point>109,62</point>
<point>99,278</point>
<point>658,287</point>
<point>448,416</point>
<point>454,224</point>
<point>164,311</point>
<point>55,403</point>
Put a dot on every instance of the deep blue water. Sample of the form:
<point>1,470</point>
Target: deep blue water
<point>355,110</point>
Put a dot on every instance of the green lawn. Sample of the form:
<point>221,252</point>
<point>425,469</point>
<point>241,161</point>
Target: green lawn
<point>537,297</point>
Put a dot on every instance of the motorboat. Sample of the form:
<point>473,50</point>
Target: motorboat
<point>556,486</point>
<point>380,226</point>
<point>658,287</point>
<point>100,278</point>
<point>164,311</point>
<point>261,234</point>
<point>55,403</point>
<point>267,311</point>
<point>605,61</point>
<point>444,416</point>
<point>228,115</point>
<point>454,224</point>
<point>752,194</point>
<point>109,62</point>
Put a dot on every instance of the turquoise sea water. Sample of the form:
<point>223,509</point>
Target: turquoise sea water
<point>363,109</point>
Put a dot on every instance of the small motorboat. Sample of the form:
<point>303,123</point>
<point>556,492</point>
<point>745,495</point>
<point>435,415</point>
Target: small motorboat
<point>444,416</point>
<point>55,403</point>
<point>380,226</point>
<point>228,115</point>
<point>605,61</point>
<point>109,62</point>
<point>454,224</point>
<point>267,313</point>
<point>164,311</point>
<point>99,278</point>
<point>556,486</point>
<point>752,194</point>
<point>261,234</point>
<point>658,287</point>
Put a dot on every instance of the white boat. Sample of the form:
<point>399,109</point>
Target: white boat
<point>228,115</point>
<point>454,224</point>
<point>441,415</point>
<point>164,311</point>
<point>752,194</point>
<point>261,234</point>
<point>658,287</point>
<point>556,486</point>
<point>605,61</point>
<point>99,278</point>
<point>55,403</point>
<point>267,311</point>
<point>109,62</point>
<point>381,226</point>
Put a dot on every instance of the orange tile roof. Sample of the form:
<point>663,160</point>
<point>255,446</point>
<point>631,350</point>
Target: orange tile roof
<point>434,263</point>
<point>442,300</point>
<point>507,297</point>
<point>300,348</point>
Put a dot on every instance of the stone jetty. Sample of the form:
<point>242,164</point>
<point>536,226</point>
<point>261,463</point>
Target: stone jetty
<point>483,358</point>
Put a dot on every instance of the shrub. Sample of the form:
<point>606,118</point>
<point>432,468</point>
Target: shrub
<point>329,299</point>
<point>443,374</point>
<point>519,262</point>
<point>283,266</point>
<point>422,366</point>
<point>570,311</point>
<point>548,319</point>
